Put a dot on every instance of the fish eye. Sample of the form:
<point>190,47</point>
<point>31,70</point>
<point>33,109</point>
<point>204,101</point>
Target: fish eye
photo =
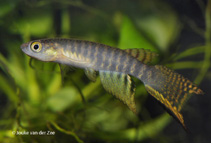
<point>36,46</point>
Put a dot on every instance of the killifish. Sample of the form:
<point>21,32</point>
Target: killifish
<point>115,67</point>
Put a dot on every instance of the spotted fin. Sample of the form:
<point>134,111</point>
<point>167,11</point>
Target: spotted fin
<point>144,55</point>
<point>121,86</point>
<point>172,109</point>
<point>170,88</point>
<point>91,74</point>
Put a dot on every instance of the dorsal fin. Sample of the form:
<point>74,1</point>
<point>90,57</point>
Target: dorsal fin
<point>144,55</point>
<point>121,86</point>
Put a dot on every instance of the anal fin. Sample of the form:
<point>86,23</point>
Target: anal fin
<point>121,86</point>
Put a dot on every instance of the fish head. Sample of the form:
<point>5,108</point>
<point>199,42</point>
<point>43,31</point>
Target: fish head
<point>41,50</point>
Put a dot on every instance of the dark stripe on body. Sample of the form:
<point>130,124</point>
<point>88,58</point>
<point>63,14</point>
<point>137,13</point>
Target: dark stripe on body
<point>140,71</point>
<point>72,47</point>
<point>121,58</point>
<point>76,49</point>
<point>85,49</point>
<point>82,49</point>
<point>79,47</point>
<point>95,54</point>
<point>89,51</point>
<point>100,55</point>
<point>113,60</point>
<point>69,46</point>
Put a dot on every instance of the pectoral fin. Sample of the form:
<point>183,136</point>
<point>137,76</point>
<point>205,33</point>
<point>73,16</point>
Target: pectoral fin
<point>121,86</point>
<point>91,74</point>
<point>64,69</point>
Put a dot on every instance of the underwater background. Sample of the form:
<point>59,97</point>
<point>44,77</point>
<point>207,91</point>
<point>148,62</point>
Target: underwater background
<point>39,104</point>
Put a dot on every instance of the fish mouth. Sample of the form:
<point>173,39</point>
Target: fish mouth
<point>23,46</point>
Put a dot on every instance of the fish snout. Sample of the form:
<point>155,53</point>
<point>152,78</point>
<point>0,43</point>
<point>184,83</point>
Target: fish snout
<point>23,46</point>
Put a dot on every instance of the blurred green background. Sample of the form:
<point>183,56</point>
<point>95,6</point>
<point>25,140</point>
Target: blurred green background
<point>34,98</point>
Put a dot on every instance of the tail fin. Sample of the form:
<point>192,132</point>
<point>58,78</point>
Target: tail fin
<point>170,88</point>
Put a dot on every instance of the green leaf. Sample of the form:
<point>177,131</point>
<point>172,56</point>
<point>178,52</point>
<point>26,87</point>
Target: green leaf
<point>36,25</point>
<point>7,89</point>
<point>62,99</point>
<point>65,22</point>
<point>7,6</point>
<point>161,28</point>
<point>67,132</point>
<point>140,133</point>
<point>131,38</point>
<point>185,65</point>
<point>190,52</point>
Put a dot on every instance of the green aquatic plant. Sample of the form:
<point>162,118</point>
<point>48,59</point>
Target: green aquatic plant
<point>37,98</point>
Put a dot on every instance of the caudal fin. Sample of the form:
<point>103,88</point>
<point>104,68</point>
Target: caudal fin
<point>170,88</point>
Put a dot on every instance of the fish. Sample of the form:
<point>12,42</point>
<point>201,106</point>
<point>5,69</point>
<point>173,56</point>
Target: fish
<point>116,67</point>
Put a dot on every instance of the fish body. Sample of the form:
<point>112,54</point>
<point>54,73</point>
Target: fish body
<point>115,67</point>
<point>85,54</point>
